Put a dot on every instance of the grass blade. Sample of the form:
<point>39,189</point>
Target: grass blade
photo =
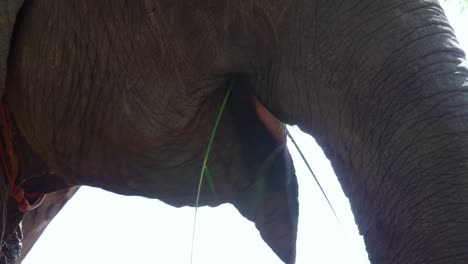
<point>210,182</point>
<point>205,161</point>
<point>313,174</point>
<point>261,176</point>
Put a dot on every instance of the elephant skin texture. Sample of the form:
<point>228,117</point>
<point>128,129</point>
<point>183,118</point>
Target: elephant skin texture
<point>123,95</point>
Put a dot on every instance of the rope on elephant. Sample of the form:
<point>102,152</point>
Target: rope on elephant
<point>26,201</point>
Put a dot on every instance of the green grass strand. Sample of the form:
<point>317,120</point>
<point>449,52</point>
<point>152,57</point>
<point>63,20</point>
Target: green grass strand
<point>313,174</point>
<point>205,161</point>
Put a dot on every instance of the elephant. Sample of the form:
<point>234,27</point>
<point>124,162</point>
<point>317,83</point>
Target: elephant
<point>123,95</point>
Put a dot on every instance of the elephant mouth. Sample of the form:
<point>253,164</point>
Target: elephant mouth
<point>271,123</point>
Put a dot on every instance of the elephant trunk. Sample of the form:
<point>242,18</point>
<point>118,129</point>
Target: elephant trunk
<point>383,89</point>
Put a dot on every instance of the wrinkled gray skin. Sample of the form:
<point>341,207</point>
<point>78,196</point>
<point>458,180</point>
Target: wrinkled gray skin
<point>122,94</point>
<point>142,129</point>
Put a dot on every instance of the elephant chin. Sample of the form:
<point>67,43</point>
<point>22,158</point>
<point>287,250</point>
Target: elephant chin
<point>272,201</point>
<point>276,220</point>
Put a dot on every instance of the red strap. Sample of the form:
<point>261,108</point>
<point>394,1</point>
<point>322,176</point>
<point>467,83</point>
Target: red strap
<point>26,201</point>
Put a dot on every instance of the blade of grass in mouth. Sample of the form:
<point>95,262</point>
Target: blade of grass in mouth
<point>205,161</point>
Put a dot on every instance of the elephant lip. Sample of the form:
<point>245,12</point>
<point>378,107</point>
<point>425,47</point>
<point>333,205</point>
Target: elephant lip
<point>272,124</point>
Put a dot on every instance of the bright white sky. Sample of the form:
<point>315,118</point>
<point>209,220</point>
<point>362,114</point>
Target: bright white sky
<point>98,227</point>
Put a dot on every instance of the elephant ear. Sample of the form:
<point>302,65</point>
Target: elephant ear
<point>8,11</point>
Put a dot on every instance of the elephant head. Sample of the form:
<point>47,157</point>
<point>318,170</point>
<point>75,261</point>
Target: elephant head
<point>123,94</point>
<point>159,151</point>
